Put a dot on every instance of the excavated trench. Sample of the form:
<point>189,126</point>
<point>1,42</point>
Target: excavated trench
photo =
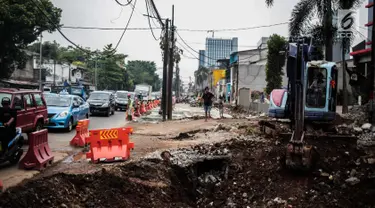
<point>181,182</point>
<point>199,179</point>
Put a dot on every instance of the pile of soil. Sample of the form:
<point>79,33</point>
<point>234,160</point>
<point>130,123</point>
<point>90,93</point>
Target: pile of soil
<point>147,184</point>
<point>343,177</point>
<point>253,177</point>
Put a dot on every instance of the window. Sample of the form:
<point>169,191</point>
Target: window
<point>18,102</point>
<point>333,87</point>
<point>81,101</point>
<point>4,95</point>
<point>76,101</point>
<point>38,100</point>
<point>316,87</point>
<point>29,101</point>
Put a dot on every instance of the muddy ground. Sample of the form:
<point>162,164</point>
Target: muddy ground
<point>245,171</point>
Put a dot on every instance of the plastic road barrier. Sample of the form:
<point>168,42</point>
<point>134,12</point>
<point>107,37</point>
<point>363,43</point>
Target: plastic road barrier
<point>109,145</point>
<point>143,109</point>
<point>39,155</point>
<point>82,132</point>
<point>137,113</point>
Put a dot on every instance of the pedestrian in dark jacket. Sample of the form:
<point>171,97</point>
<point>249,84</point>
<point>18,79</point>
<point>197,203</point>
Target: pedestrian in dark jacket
<point>207,102</point>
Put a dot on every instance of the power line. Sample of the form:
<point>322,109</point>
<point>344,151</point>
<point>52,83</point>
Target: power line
<point>182,30</point>
<point>200,43</point>
<point>127,24</point>
<point>105,28</point>
<point>42,10</point>
<point>235,29</point>
<point>193,48</point>
<point>149,19</point>
<point>127,4</point>
<point>112,20</point>
<point>187,50</point>
<point>155,10</point>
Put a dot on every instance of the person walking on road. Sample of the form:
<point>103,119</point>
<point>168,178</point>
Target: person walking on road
<point>207,102</point>
<point>129,116</point>
<point>221,106</point>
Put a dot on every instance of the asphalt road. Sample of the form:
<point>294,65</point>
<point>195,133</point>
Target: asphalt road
<point>59,144</point>
<point>59,139</point>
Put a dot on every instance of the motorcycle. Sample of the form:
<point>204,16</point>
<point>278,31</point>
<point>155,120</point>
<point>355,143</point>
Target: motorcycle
<point>13,151</point>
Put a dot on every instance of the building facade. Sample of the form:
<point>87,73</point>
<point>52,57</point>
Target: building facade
<point>362,77</point>
<point>218,48</point>
<point>248,70</point>
<point>202,57</point>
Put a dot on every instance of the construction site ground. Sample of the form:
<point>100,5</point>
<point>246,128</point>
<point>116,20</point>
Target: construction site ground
<point>219,163</point>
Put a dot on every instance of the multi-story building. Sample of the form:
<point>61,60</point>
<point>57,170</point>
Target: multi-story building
<point>202,57</point>
<point>218,48</point>
<point>362,72</point>
<point>248,72</point>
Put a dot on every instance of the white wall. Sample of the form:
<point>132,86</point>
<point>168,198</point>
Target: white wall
<point>253,75</point>
<point>61,71</point>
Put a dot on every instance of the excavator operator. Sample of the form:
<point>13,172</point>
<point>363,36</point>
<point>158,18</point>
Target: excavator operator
<point>317,91</point>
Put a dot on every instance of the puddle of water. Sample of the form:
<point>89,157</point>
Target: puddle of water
<point>73,158</point>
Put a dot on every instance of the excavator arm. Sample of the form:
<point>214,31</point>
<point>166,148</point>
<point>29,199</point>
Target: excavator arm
<point>298,154</point>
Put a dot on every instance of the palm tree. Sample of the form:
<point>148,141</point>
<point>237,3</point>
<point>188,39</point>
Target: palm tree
<point>323,31</point>
<point>201,75</point>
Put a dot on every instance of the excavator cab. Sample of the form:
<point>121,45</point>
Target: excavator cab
<point>321,91</point>
<point>320,81</point>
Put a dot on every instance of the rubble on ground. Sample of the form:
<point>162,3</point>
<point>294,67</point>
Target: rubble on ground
<point>246,171</point>
<point>357,114</point>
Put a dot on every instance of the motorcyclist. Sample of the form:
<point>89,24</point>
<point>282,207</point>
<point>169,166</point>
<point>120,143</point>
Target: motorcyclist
<point>8,120</point>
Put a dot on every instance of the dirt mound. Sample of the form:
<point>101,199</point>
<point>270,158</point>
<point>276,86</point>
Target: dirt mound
<point>342,178</point>
<point>244,172</point>
<point>135,185</point>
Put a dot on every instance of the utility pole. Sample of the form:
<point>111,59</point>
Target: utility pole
<point>344,86</point>
<point>165,71</point>
<point>40,63</point>
<point>372,70</point>
<point>170,70</point>
<point>96,74</point>
<point>54,72</point>
<point>177,81</point>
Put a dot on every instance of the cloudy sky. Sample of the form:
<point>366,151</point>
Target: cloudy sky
<point>189,14</point>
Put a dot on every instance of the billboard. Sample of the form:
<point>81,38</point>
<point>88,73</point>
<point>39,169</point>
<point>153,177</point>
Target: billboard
<point>217,75</point>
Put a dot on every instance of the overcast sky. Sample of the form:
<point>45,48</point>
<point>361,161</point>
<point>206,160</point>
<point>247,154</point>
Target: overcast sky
<point>189,14</point>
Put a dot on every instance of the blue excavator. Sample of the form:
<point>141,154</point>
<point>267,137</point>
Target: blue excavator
<point>310,97</point>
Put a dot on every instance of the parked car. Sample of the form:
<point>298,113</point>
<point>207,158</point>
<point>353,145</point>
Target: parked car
<point>121,100</point>
<point>64,111</point>
<point>49,94</point>
<point>102,102</point>
<point>31,108</point>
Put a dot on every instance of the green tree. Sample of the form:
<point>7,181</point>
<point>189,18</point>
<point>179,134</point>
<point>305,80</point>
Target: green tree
<point>50,50</point>
<point>111,72</point>
<point>275,62</point>
<point>144,72</point>
<point>302,16</point>
<point>21,22</point>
